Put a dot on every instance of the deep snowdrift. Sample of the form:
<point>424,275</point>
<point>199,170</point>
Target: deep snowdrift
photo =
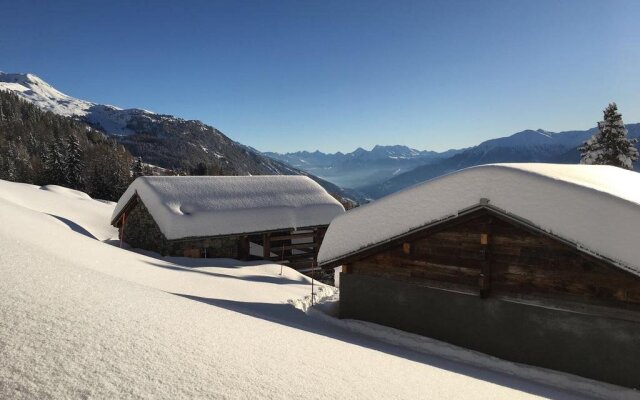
<point>596,207</point>
<point>80,318</point>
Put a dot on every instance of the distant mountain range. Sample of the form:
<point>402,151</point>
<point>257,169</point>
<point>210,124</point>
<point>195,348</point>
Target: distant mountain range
<point>361,168</point>
<point>162,140</point>
<point>526,146</point>
<point>387,169</point>
<point>174,143</point>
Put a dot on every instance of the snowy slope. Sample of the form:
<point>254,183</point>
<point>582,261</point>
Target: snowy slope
<point>70,207</point>
<point>31,88</point>
<point>580,203</point>
<point>80,318</point>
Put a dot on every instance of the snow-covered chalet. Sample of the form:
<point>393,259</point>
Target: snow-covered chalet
<point>532,263</point>
<point>280,218</point>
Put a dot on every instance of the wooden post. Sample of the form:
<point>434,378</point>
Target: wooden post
<point>124,221</point>
<point>313,268</point>
<point>244,247</point>
<point>287,242</point>
<point>266,246</point>
<point>317,240</point>
<point>485,271</point>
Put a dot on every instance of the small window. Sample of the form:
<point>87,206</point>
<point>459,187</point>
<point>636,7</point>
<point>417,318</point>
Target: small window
<point>406,248</point>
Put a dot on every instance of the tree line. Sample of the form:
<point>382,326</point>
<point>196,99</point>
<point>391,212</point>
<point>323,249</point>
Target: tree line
<point>44,148</point>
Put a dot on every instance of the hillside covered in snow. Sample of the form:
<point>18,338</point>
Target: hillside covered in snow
<point>83,318</point>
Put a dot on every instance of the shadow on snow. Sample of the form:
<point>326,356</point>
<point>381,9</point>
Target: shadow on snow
<point>290,316</point>
<point>275,279</point>
<point>73,226</point>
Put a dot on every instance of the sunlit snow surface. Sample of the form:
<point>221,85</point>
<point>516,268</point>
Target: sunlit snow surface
<point>595,206</point>
<point>81,318</point>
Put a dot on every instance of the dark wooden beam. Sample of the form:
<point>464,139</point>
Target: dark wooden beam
<point>244,247</point>
<point>266,245</point>
<point>485,265</point>
<point>293,236</point>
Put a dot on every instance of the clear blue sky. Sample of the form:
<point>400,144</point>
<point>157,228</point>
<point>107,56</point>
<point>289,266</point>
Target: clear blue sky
<point>335,75</point>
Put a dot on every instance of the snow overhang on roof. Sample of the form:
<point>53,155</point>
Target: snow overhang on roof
<point>199,206</point>
<point>595,207</point>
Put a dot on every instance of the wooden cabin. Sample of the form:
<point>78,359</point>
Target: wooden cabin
<point>532,263</point>
<point>279,218</point>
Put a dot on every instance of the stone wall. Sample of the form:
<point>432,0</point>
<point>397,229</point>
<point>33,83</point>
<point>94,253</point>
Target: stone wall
<point>220,247</point>
<point>141,231</point>
<point>594,346</point>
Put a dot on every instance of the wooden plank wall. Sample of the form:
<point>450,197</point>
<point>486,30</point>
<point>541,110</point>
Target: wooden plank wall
<point>298,249</point>
<point>487,255</point>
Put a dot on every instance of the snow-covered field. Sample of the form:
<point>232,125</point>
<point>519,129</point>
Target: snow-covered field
<point>82,318</point>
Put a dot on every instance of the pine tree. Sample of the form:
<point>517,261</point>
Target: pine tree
<point>55,163</point>
<point>19,164</point>
<point>110,174</point>
<point>97,182</point>
<point>73,164</point>
<point>11,168</point>
<point>8,169</point>
<point>121,170</point>
<point>137,170</point>
<point>610,145</point>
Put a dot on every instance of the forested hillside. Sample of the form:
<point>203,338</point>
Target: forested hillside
<point>44,148</point>
<point>170,144</point>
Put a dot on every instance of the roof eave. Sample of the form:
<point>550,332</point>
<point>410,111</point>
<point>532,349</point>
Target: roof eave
<point>190,238</point>
<point>133,200</point>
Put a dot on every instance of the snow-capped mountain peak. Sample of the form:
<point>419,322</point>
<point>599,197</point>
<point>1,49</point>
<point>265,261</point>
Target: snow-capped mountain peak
<point>111,119</point>
<point>37,91</point>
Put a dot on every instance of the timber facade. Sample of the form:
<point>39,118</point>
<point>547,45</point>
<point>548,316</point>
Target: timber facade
<point>496,284</point>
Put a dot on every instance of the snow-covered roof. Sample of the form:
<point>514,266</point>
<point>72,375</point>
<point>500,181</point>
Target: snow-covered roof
<point>596,207</point>
<point>195,206</point>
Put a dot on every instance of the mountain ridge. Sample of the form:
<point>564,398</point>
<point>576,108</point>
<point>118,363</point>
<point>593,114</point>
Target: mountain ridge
<point>528,145</point>
<point>361,167</point>
<point>549,147</point>
<point>160,139</point>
